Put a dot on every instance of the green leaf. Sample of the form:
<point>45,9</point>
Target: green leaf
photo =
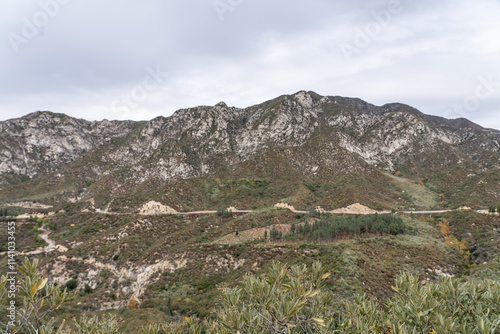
<point>41,283</point>
<point>326,275</point>
<point>319,321</point>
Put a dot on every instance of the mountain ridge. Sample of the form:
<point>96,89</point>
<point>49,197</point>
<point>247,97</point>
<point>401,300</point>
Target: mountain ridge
<point>453,122</point>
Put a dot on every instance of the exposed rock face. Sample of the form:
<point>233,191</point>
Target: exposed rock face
<point>43,141</point>
<point>196,142</point>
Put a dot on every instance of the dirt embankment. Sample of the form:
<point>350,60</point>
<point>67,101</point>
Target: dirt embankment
<point>355,208</point>
<point>285,206</point>
<point>155,208</point>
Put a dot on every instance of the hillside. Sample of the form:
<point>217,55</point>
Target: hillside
<point>304,149</point>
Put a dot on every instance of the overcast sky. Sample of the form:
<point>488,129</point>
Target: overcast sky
<point>133,59</point>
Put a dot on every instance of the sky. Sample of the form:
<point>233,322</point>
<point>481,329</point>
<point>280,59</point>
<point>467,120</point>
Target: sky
<point>137,60</point>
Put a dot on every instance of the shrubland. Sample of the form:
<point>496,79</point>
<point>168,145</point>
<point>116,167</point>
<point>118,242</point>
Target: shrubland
<point>386,272</point>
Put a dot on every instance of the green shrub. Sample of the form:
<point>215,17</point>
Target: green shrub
<point>108,324</point>
<point>39,298</point>
<point>104,250</point>
<point>71,284</point>
<point>88,289</point>
<point>286,300</point>
<point>224,213</point>
<point>294,300</point>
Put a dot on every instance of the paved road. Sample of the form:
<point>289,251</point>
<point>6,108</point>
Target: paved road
<point>209,212</point>
<point>428,212</point>
<point>352,213</point>
<point>298,211</point>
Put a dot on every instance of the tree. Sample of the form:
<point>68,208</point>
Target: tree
<point>274,234</point>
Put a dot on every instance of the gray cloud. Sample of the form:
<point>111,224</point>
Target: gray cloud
<point>91,54</point>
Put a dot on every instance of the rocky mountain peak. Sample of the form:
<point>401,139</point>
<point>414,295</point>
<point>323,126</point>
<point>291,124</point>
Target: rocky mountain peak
<point>221,105</point>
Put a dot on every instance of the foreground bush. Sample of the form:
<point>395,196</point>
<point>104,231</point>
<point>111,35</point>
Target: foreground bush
<point>296,300</point>
<point>286,300</point>
<point>293,300</point>
<point>446,306</point>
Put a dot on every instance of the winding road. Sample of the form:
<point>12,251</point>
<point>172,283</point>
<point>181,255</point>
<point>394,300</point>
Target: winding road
<point>51,243</point>
<point>49,248</point>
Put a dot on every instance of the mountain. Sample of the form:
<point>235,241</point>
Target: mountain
<point>304,149</point>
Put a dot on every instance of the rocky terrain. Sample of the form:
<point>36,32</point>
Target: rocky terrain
<point>292,144</point>
<point>42,142</point>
